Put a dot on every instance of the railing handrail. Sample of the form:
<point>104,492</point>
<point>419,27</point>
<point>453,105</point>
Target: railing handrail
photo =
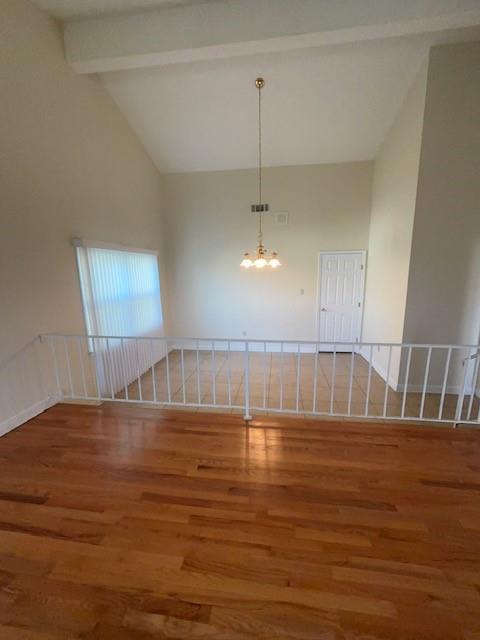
<point>420,345</point>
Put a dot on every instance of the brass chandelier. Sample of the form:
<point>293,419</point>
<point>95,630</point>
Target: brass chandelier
<point>260,258</point>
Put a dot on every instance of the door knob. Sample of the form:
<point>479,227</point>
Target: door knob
<point>323,309</point>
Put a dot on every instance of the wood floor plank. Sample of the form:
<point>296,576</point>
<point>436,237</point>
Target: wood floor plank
<point>134,523</point>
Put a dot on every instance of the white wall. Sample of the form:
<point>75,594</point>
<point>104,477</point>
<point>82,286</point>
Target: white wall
<point>210,227</point>
<point>69,166</point>
<point>394,193</point>
<point>443,301</point>
<point>423,283</point>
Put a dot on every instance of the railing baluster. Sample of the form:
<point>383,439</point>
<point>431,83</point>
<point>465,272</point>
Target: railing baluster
<point>182,364</point>
<point>315,380</point>
<point>478,416</point>
<point>334,373</point>
<point>95,355</point>
<point>214,373</point>
<point>246,383</point>
<point>55,366</point>
<point>82,368</point>
<point>138,371</point>
<point>425,381</point>
<point>297,399</point>
<point>461,395</point>
<point>281,375</point>
<point>369,381</point>
<point>69,369</point>
<point>264,374</point>
<point>110,367</point>
<point>444,385</point>
<point>350,384</point>
<point>387,378</point>
<point>167,363</point>
<point>229,375</point>
<point>199,395</point>
<point>405,386</point>
<point>124,367</point>
<point>154,381</point>
<point>474,386</point>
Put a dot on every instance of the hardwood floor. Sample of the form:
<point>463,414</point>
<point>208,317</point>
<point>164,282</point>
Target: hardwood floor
<point>130,523</point>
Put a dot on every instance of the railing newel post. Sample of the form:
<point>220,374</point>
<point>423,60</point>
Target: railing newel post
<point>315,380</point>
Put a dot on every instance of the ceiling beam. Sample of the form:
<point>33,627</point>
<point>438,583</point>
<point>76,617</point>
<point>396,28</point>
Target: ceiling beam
<point>244,27</point>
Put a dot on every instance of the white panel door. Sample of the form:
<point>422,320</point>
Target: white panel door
<point>342,278</point>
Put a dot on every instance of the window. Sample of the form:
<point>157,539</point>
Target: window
<point>120,290</point>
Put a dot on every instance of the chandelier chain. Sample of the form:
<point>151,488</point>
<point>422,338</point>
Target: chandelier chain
<point>260,159</point>
<point>261,257</point>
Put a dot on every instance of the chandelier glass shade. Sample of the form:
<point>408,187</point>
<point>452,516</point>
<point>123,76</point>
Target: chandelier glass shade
<point>260,258</point>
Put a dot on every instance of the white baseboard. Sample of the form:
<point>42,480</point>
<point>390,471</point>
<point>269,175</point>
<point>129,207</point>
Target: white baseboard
<point>433,388</point>
<point>27,414</point>
<point>413,388</point>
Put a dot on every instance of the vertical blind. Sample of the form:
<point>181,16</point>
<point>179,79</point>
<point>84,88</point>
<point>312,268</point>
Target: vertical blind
<point>120,292</point>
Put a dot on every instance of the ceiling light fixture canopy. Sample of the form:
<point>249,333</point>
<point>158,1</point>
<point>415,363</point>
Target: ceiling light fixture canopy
<point>260,258</point>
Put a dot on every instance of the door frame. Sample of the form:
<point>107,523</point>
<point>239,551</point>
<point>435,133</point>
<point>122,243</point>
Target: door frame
<point>363,252</point>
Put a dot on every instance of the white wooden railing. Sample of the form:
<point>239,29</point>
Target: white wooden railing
<point>421,382</point>
<point>406,382</point>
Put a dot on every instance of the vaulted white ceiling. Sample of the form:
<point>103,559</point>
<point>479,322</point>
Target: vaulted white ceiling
<point>319,106</point>
<point>183,74</point>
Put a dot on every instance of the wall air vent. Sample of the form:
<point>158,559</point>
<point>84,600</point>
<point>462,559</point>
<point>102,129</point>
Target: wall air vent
<point>281,218</point>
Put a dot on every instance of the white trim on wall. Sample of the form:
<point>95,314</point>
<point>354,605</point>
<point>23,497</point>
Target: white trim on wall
<point>94,244</point>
